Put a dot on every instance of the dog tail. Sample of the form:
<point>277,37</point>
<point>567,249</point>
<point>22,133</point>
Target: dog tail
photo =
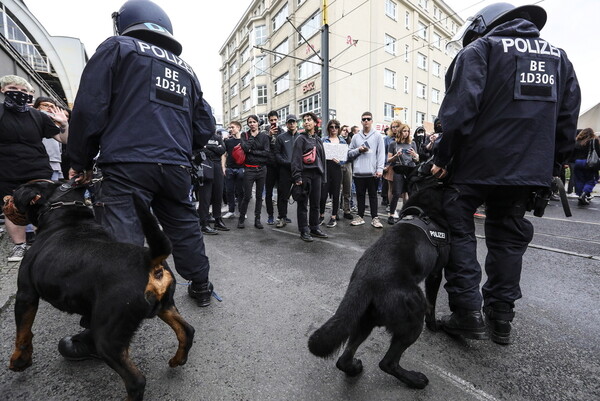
<point>333,334</point>
<point>158,242</point>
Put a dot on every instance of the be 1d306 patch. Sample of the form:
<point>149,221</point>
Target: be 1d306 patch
<point>536,78</point>
<point>169,86</point>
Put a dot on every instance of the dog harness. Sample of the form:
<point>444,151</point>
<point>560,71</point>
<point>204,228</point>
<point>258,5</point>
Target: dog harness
<point>436,235</point>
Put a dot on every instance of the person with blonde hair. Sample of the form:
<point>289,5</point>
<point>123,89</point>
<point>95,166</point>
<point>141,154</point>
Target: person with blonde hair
<point>402,157</point>
<point>23,156</point>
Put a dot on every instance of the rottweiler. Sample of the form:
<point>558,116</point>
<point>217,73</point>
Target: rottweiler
<point>384,287</point>
<point>76,266</point>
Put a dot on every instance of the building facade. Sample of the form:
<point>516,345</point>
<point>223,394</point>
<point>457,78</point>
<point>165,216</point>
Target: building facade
<point>386,56</point>
<point>52,64</point>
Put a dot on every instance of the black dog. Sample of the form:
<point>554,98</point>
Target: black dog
<point>384,287</point>
<point>76,266</point>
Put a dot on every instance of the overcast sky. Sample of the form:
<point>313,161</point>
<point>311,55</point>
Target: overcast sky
<point>203,26</point>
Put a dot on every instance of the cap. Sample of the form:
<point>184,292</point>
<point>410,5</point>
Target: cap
<point>291,117</point>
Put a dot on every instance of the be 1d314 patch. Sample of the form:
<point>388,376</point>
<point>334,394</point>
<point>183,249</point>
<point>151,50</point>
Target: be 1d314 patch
<point>169,86</point>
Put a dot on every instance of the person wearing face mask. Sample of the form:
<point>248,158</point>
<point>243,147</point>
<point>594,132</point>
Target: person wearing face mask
<point>22,153</point>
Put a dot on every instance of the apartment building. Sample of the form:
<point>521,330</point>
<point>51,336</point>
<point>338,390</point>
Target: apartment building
<point>386,56</point>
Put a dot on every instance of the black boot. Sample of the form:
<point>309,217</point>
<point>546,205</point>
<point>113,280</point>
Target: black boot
<point>305,236</point>
<point>316,232</point>
<point>201,292</point>
<point>498,316</point>
<point>78,347</point>
<point>219,225</point>
<point>208,230</point>
<point>465,323</point>
<point>257,223</point>
<point>241,222</point>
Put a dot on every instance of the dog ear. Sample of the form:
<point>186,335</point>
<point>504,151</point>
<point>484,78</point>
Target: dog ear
<point>32,194</point>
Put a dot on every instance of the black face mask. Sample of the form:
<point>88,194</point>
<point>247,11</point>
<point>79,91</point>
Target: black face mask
<point>19,98</point>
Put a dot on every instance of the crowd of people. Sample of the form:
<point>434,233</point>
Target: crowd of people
<point>362,162</point>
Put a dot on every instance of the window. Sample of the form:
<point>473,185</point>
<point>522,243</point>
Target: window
<point>436,40</point>
<point>246,104</point>
<point>421,90</point>
<point>422,61</point>
<point>388,111</point>
<point>389,78</point>
<point>423,4</point>
<point>437,13</point>
<point>406,51</point>
<point>310,27</point>
<point>407,20</point>
<point>233,67</point>
<point>280,17</point>
<point>283,113</point>
<point>311,103</point>
<point>309,68</point>
<point>234,90</point>
<point>390,9</point>
<point>280,50</point>
<point>422,30</point>
<point>281,84</point>
<point>260,35</point>
<point>235,111</point>
<point>261,94</point>
<point>420,118</point>
<point>231,47</point>
<point>260,65</point>
<point>405,114</point>
<point>435,96</point>
<point>436,68</point>
<point>225,75</point>
<point>406,85</point>
<point>245,54</point>
<point>390,44</point>
<point>246,80</point>
<point>300,2</point>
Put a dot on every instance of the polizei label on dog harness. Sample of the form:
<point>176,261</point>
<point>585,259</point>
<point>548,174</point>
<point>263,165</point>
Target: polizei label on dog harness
<point>435,234</point>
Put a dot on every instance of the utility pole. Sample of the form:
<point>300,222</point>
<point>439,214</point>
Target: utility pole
<point>324,70</point>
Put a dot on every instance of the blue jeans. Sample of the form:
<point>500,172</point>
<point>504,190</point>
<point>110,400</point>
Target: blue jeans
<point>234,187</point>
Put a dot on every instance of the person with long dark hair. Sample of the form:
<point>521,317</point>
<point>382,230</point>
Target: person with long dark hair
<point>256,145</point>
<point>332,186</point>
<point>309,172</point>
<point>585,177</point>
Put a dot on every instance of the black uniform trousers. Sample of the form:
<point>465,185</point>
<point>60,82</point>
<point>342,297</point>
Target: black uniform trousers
<point>253,175</point>
<point>284,186</point>
<point>270,183</point>
<point>310,218</point>
<point>364,185</point>
<point>507,234</point>
<point>167,190</point>
<point>211,193</point>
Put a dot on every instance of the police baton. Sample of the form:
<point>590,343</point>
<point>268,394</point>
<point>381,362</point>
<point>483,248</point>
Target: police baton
<point>563,196</point>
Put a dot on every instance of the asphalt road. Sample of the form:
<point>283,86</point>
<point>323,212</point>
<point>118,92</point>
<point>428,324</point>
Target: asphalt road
<point>276,290</point>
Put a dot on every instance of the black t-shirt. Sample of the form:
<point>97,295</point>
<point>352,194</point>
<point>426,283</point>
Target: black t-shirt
<point>230,143</point>
<point>22,153</point>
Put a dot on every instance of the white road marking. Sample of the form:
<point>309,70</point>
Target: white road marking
<point>461,383</point>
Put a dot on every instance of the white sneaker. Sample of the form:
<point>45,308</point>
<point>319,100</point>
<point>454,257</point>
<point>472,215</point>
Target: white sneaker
<point>376,223</point>
<point>358,221</point>
<point>17,253</point>
<point>228,215</point>
<point>572,195</point>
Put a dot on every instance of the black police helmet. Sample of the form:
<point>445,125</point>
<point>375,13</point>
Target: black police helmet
<point>145,20</point>
<point>495,14</point>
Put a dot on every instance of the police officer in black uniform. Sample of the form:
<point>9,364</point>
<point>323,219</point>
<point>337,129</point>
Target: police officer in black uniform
<point>142,107</point>
<point>509,118</point>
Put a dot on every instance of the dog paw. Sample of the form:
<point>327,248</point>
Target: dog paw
<point>432,325</point>
<point>177,361</point>
<point>19,364</point>
<point>352,368</point>
<point>416,379</point>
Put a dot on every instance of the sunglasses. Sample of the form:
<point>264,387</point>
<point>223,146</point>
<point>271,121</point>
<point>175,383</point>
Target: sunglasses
<point>334,126</point>
<point>366,118</point>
